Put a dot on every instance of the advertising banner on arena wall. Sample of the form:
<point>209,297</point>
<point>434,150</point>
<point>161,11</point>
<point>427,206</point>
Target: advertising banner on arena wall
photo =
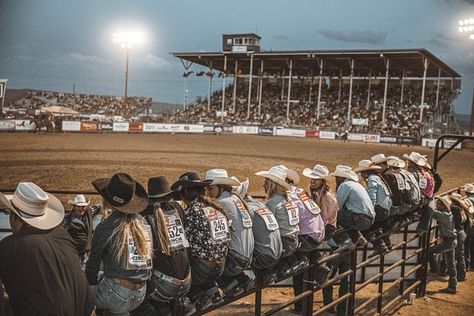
<point>327,135</point>
<point>186,128</point>
<point>135,127</point>
<point>312,133</point>
<point>106,126</point>
<point>266,130</point>
<point>24,125</point>
<point>388,139</point>
<point>245,129</point>
<point>213,129</point>
<point>71,126</point>
<point>291,132</point>
<point>120,127</point>
<point>89,127</point>
<point>368,138</point>
<point>431,142</point>
<point>7,126</point>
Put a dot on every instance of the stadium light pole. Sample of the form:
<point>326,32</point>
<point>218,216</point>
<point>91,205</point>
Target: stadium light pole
<point>467,26</point>
<point>126,40</point>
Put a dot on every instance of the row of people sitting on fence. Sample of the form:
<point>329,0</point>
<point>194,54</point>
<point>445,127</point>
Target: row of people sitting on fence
<point>193,241</point>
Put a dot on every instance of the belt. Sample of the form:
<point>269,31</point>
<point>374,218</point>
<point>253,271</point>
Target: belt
<point>129,284</point>
<point>167,278</point>
<point>365,215</point>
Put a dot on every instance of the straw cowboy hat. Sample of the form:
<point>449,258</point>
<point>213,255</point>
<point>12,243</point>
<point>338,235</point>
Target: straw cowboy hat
<point>123,193</point>
<point>379,158</point>
<point>469,188</point>
<point>291,174</point>
<point>463,202</point>
<point>469,205</point>
<point>220,177</point>
<point>242,189</point>
<point>79,200</point>
<point>345,172</point>
<point>318,172</point>
<point>159,187</point>
<point>35,207</point>
<point>365,165</point>
<point>277,175</point>
<point>189,180</point>
<point>418,159</point>
<point>445,200</point>
<point>396,162</point>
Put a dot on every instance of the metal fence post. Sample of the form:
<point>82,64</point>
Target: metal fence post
<point>353,279</point>
<point>258,293</point>
<point>404,257</point>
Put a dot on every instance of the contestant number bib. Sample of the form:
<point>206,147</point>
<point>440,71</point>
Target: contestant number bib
<point>423,183</point>
<point>135,261</point>
<point>400,183</point>
<point>293,213</point>
<point>176,234</point>
<point>244,214</point>
<point>217,224</point>
<point>309,203</point>
<point>268,218</point>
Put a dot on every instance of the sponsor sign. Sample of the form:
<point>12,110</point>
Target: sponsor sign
<point>213,129</point>
<point>106,126</point>
<point>388,139</point>
<point>312,133</point>
<point>239,49</point>
<point>135,127</point>
<point>431,142</point>
<point>360,121</point>
<point>71,126</point>
<point>327,135</point>
<point>7,125</point>
<point>172,128</point>
<point>89,127</point>
<point>24,125</point>
<point>264,130</point>
<point>291,132</point>
<point>120,127</point>
<point>368,138</point>
<point>245,129</point>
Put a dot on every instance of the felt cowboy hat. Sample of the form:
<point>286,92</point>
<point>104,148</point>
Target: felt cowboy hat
<point>220,177</point>
<point>242,189</point>
<point>469,188</point>
<point>318,172</point>
<point>418,159</point>
<point>379,158</point>
<point>345,172</point>
<point>277,175</point>
<point>396,162</point>
<point>79,200</point>
<point>462,201</point>
<point>35,207</point>
<point>122,192</point>
<point>189,180</point>
<point>291,174</point>
<point>365,165</point>
<point>159,187</point>
<point>445,200</point>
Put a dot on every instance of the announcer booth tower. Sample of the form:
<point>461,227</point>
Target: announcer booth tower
<point>241,43</point>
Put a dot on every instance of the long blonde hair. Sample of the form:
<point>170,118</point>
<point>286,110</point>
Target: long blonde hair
<point>275,188</point>
<point>130,227</point>
<point>161,231</point>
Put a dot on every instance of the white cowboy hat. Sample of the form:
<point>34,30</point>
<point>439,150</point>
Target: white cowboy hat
<point>379,158</point>
<point>463,201</point>
<point>318,172</point>
<point>396,162</point>
<point>291,174</point>
<point>220,177</point>
<point>34,206</point>
<point>277,175</point>
<point>445,200</point>
<point>345,172</point>
<point>469,188</point>
<point>469,205</point>
<point>79,200</point>
<point>242,189</point>
<point>418,159</point>
<point>365,165</point>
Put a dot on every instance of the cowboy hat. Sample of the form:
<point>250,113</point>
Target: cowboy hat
<point>469,188</point>
<point>379,158</point>
<point>396,162</point>
<point>345,172</point>
<point>469,205</point>
<point>318,172</point>
<point>79,200</point>
<point>418,159</point>
<point>365,165</point>
<point>35,207</point>
<point>277,175</point>
<point>159,187</point>
<point>189,180</point>
<point>242,189</point>
<point>291,174</point>
<point>446,201</point>
<point>122,192</point>
<point>462,201</point>
<point>220,177</point>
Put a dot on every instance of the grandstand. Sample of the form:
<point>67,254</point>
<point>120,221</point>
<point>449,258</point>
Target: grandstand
<point>405,92</point>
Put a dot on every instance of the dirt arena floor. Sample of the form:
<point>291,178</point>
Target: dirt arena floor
<point>72,161</point>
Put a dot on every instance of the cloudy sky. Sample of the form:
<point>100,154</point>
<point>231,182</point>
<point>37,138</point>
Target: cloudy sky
<point>53,44</point>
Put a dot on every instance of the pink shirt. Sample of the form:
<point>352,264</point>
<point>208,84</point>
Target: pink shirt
<point>328,207</point>
<point>427,186</point>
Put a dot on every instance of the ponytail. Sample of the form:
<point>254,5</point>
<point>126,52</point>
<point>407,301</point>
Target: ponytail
<point>161,231</point>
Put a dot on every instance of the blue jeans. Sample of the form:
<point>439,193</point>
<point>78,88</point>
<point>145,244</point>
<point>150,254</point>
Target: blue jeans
<point>116,299</point>
<point>163,288</point>
<point>459,255</point>
<point>446,246</point>
<point>339,265</point>
<point>360,222</point>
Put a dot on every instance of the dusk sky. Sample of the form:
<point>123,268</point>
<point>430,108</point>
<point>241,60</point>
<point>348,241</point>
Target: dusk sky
<point>53,44</point>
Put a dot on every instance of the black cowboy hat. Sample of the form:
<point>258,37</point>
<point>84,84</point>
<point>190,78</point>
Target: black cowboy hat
<point>159,187</point>
<point>122,192</point>
<point>189,180</point>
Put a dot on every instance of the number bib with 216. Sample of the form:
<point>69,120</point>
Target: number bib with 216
<point>293,212</point>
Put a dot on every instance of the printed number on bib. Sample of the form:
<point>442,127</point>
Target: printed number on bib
<point>268,217</point>
<point>176,235</point>
<point>423,183</point>
<point>400,183</point>
<point>244,214</point>
<point>293,213</point>
<point>309,203</point>
<point>217,223</point>
<point>135,261</point>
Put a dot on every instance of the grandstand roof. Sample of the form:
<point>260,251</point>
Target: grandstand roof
<point>305,61</point>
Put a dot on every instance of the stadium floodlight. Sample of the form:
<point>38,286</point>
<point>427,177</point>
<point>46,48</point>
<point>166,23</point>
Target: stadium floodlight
<point>467,26</point>
<point>126,40</point>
